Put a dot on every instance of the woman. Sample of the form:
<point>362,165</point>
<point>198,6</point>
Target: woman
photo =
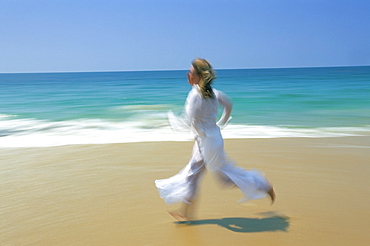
<point>208,153</point>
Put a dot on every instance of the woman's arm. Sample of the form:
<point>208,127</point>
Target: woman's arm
<point>184,121</point>
<point>225,101</point>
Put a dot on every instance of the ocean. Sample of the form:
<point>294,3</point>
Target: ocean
<point>53,109</point>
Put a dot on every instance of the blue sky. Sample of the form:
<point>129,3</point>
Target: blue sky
<point>91,35</point>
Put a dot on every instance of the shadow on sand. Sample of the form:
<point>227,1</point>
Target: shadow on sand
<point>245,225</point>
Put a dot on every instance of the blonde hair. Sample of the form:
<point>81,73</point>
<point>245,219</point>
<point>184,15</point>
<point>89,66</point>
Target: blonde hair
<point>204,69</point>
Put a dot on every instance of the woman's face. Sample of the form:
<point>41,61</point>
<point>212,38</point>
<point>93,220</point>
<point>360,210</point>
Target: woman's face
<point>193,77</point>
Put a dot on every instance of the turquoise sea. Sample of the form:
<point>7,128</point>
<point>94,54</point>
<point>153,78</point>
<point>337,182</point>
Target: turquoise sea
<point>52,109</point>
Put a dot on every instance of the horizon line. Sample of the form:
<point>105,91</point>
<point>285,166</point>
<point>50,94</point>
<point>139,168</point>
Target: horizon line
<point>159,70</point>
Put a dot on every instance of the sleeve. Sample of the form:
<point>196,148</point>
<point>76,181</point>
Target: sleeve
<point>178,123</point>
<point>184,121</point>
<point>192,106</point>
<point>225,101</point>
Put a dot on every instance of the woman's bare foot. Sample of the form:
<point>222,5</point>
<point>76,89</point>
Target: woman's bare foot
<point>272,195</point>
<point>178,215</point>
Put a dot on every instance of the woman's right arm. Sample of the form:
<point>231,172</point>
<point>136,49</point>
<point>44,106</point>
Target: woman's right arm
<point>184,121</point>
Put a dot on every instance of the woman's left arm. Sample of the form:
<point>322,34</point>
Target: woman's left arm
<point>225,101</point>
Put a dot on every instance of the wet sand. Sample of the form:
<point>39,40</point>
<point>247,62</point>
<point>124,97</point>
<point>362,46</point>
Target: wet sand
<point>105,195</point>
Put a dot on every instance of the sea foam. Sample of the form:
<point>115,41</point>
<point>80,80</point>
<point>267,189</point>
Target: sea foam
<point>40,133</point>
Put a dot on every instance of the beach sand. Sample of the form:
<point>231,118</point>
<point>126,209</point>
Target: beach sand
<point>105,195</point>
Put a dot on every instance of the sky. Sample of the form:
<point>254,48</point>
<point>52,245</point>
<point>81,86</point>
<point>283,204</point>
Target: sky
<point>131,35</point>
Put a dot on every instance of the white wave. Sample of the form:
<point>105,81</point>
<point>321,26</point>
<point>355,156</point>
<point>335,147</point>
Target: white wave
<point>6,116</point>
<point>38,133</point>
<point>145,107</point>
<point>248,131</point>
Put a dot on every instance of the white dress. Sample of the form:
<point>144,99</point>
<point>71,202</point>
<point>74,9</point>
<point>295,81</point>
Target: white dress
<point>208,153</point>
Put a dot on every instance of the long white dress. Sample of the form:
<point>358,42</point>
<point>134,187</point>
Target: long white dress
<point>208,153</point>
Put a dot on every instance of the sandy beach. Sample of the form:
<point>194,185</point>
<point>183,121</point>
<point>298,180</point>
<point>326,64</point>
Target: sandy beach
<point>105,195</point>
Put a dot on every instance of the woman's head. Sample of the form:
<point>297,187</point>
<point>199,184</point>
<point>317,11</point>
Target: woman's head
<point>202,74</point>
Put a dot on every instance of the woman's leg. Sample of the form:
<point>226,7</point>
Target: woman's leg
<point>197,171</point>
<point>252,183</point>
<point>194,172</point>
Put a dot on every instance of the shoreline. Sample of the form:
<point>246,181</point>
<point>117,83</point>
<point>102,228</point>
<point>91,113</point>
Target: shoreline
<point>179,137</point>
<point>105,194</point>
